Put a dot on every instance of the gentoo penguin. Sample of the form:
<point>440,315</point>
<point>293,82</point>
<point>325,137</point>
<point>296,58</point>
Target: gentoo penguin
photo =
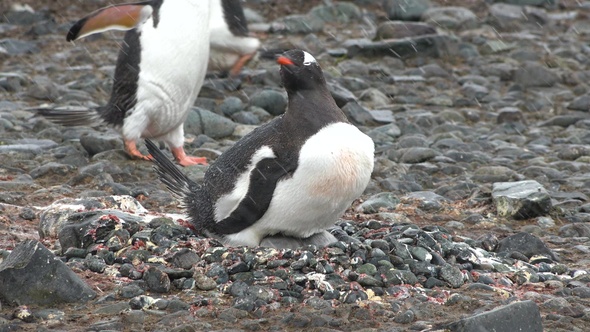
<point>231,45</point>
<point>292,177</point>
<point>160,70</point>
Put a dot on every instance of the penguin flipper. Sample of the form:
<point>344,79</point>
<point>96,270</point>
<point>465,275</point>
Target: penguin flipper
<point>117,17</point>
<point>263,182</point>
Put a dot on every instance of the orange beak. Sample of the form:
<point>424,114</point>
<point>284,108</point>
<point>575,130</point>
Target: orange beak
<point>284,61</point>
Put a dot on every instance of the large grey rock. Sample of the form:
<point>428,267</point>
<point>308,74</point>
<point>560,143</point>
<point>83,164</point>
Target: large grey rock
<point>95,143</point>
<point>425,46</point>
<point>32,275</point>
<point>521,200</point>
<point>405,10</point>
<point>201,121</point>
<point>517,316</point>
<point>581,103</point>
<point>532,74</point>
<point>526,244</point>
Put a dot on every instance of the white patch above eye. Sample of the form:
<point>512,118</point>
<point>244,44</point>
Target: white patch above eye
<point>308,59</point>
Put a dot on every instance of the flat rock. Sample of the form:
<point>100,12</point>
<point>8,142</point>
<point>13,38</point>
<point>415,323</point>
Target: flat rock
<point>32,275</point>
<point>521,200</point>
<point>517,316</point>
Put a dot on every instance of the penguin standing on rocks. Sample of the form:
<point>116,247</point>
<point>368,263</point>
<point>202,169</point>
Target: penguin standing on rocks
<point>231,45</point>
<point>285,183</point>
<point>159,73</point>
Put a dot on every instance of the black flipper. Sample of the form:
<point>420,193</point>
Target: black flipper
<point>263,181</point>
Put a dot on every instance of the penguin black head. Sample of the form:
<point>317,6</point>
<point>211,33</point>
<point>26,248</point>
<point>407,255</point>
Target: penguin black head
<point>300,71</point>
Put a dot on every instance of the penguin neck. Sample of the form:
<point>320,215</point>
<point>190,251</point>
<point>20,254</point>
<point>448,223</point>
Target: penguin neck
<point>313,109</point>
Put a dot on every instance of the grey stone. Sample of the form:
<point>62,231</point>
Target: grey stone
<point>341,12</point>
<point>399,277</point>
<point>96,143</point>
<point>156,280</point>
<point>231,105</point>
<point>400,29</point>
<point>452,275</point>
<point>574,230</point>
<point>18,47</point>
<point>416,155</point>
<point>420,46</point>
<point>521,200</point>
<point>51,169</point>
<point>427,200</point>
<point>297,23</point>
<point>491,174</point>
<point>517,316</point>
<point>32,275</point>
<point>405,10</point>
<point>358,114</point>
<point>201,121</point>
<point>526,244</point>
<point>375,203</point>
<point>581,103</point>
<point>450,17</point>
<point>274,102</point>
<point>532,74</point>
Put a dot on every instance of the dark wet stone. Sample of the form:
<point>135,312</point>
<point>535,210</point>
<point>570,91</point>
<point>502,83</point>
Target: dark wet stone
<point>521,200</point>
<point>526,244</point>
<point>426,45</point>
<point>32,275</point>
<point>156,280</point>
<point>185,258</point>
<point>130,291</point>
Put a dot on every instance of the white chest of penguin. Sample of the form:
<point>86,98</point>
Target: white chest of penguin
<point>334,168</point>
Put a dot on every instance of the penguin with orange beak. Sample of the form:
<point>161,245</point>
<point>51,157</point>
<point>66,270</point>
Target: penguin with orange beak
<point>289,180</point>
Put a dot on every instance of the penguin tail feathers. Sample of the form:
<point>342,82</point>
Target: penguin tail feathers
<point>177,183</point>
<point>71,116</point>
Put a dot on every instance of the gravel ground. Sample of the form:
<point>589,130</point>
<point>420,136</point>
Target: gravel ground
<point>476,215</point>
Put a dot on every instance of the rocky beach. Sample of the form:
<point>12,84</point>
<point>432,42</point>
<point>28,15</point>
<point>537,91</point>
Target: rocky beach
<point>476,217</point>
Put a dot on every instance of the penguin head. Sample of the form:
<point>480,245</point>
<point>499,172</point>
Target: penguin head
<point>300,71</point>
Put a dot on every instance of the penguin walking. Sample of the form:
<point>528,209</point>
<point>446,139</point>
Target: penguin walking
<point>231,44</point>
<point>160,70</point>
<point>287,181</point>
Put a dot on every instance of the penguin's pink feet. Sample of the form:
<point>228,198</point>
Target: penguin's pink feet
<point>132,150</point>
<point>185,160</point>
<point>242,61</point>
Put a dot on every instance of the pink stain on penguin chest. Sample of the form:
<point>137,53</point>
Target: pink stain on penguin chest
<point>342,176</point>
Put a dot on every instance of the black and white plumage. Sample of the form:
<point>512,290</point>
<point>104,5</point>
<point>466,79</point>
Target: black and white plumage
<point>159,73</point>
<point>292,177</point>
<point>232,46</point>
